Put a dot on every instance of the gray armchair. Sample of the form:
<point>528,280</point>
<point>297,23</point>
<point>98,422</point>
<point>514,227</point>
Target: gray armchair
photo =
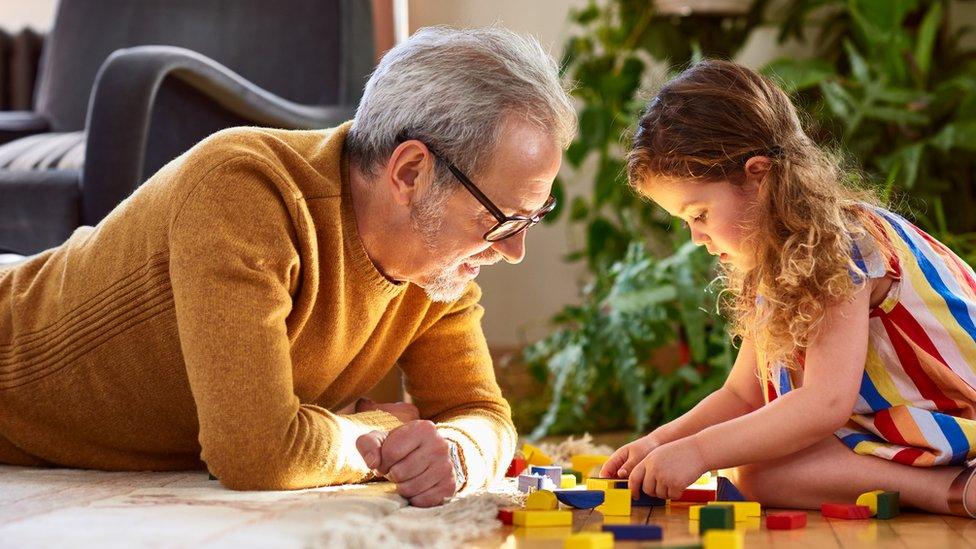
<point>127,85</point>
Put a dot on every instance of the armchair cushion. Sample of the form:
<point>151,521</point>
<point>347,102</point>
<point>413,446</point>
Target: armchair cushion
<point>45,151</point>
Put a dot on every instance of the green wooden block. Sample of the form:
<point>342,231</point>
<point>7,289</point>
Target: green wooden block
<point>888,506</point>
<point>717,517</point>
<point>575,473</point>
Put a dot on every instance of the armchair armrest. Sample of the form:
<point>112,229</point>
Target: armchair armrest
<point>17,124</point>
<point>121,116</point>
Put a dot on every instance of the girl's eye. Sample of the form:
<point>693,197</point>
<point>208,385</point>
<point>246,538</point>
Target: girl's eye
<point>701,217</point>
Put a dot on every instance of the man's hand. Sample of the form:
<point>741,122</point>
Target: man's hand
<point>403,411</point>
<point>416,458</point>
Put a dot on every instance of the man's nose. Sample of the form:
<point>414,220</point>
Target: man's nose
<point>512,248</point>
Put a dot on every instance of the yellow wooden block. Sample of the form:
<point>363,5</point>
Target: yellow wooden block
<point>542,500</point>
<point>616,502</point>
<point>704,479</point>
<point>722,539</point>
<point>535,456</point>
<point>585,463</point>
<point>568,481</point>
<point>870,500</point>
<point>542,518</point>
<point>742,509</point>
<point>596,484</point>
<point>694,512</point>
<point>589,540</point>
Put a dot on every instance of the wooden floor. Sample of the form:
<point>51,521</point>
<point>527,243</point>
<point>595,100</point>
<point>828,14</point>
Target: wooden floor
<point>909,530</point>
<point>45,508</point>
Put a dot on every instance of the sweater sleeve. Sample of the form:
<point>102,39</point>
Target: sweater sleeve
<point>234,266</point>
<point>450,376</point>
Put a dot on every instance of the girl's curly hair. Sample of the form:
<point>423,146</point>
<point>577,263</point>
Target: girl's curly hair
<point>704,125</point>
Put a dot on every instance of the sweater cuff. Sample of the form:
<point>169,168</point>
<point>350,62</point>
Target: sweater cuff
<point>375,420</point>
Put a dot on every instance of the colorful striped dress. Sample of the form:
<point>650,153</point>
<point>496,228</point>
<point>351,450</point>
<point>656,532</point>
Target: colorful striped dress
<point>916,401</point>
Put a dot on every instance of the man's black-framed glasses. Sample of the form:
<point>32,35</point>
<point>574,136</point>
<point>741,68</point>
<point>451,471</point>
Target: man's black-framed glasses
<point>506,226</point>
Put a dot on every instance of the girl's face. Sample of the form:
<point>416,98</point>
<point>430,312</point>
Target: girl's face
<point>718,213</point>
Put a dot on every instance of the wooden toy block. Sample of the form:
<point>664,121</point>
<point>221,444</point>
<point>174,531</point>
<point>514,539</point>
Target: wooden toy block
<point>541,500</point>
<point>528,482</point>
<point>581,499</point>
<point>616,502</point>
<point>542,518</point>
<point>589,540</point>
<point>567,481</point>
<point>575,473</point>
<point>888,505</point>
<point>723,539</point>
<point>645,500</point>
<point>599,483</point>
<point>704,479</point>
<point>870,500</point>
<point>742,509</point>
<point>786,520</point>
<point>694,512</point>
<point>585,463</point>
<point>726,491</point>
<point>683,546</point>
<point>716,517</point>
<point>553,472</point>
<point>505,515</point>
<point>640,532</point>
<point>845,511</point>
<point>517,466</point>
<point>535,456</point>
<point>696,495</point>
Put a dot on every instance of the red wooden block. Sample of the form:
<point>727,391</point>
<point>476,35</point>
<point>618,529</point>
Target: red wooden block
<point>505,515</point>
<point>516,467</point>
<point>697,496</point>
<point>845,511</point>
<point>786,520</point>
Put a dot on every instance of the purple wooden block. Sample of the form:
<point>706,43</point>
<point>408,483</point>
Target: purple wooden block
<point>726,491</point>
<point>554,472</point>
<point>581,499</point>
<point>528,482</point>
<point>648,501</point>
<point>634,531</point>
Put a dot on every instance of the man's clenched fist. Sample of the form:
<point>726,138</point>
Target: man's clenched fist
<point>416,458</point>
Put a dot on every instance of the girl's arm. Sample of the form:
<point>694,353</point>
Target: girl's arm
<point>804,416</point>
<point>739,395</point>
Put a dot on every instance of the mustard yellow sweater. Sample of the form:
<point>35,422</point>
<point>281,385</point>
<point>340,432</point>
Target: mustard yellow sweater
<point>219,315</point>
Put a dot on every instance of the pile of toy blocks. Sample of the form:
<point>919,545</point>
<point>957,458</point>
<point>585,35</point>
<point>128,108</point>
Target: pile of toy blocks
<point>717,511</point>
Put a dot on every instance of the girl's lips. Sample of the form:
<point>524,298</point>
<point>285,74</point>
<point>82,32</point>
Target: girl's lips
<point>469,269</point>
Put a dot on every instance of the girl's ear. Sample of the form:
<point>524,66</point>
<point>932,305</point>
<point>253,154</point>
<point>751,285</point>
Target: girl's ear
<point>756,168</point>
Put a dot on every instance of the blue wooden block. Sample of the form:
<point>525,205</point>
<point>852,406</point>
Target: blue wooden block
<point>648,501</point>
<point>634,531</point>
<point>726,491</point>
<point>581,499</point>
<point>554,472</point>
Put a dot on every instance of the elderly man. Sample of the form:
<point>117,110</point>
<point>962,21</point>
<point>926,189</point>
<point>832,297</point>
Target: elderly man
<point>229,311</point>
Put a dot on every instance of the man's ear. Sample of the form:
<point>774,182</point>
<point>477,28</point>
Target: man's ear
<point>408,171</point>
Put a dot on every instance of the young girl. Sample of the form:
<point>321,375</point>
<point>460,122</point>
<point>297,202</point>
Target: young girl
<point>857,360</point>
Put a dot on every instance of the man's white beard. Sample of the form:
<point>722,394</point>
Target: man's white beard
<point>447,286</point>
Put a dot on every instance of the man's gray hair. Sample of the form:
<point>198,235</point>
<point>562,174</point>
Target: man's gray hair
<point>452,89</point>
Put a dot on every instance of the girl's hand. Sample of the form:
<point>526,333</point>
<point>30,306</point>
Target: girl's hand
<point>668,469</point>
<point>623,461</point>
